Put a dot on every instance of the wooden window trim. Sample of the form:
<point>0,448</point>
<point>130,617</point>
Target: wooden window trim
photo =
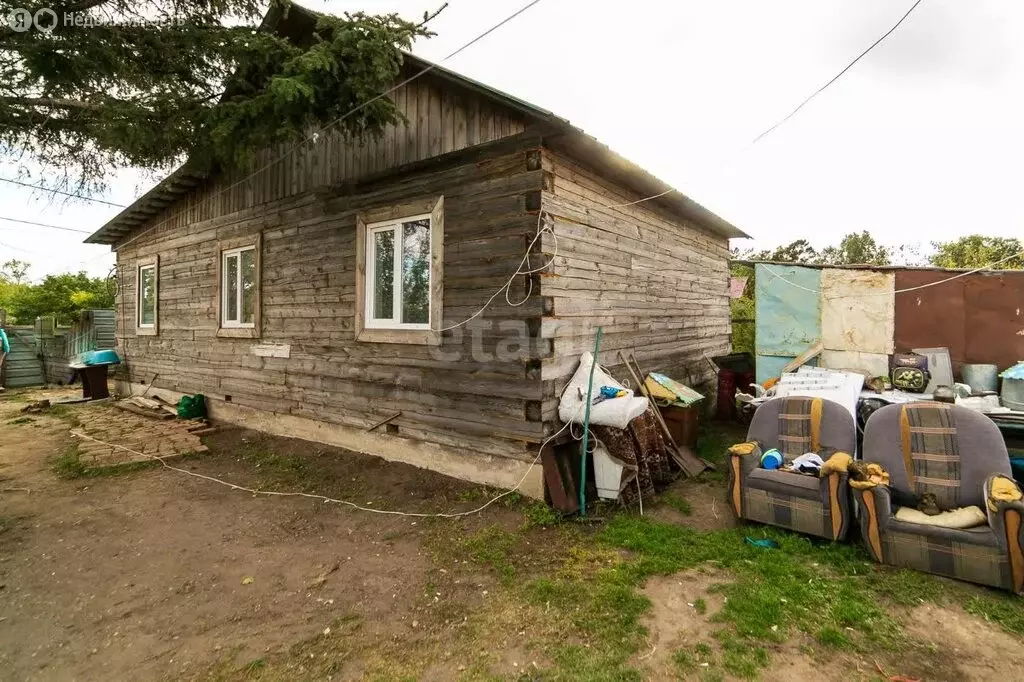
<point>434,207</point>
<point>153,329</point>
<point>233,332</point>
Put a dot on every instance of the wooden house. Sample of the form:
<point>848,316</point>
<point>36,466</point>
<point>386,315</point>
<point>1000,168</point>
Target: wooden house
<point>314,299</point>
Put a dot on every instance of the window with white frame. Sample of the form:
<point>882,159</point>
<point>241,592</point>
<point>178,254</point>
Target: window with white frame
<point>238,287</point>
<point>398,273</point>
<point>145,302</point>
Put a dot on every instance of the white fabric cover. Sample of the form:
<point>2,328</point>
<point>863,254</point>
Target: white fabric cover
<point>962,517</point>
<point>617,412</point>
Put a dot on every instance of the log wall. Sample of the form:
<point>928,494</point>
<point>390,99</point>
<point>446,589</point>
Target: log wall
<point>658,285</point>
<point>473,393</point>
<point>435,119</point>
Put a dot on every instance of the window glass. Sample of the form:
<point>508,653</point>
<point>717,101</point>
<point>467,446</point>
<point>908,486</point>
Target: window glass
<point>383,274</point>
<point>231,288</point>
<point>416,272</point>
<point>248,277</point>
<point>147,296</point>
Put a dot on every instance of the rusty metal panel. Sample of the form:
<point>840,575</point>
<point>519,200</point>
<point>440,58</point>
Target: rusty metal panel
<point>857,310</point>
<point>787,307</point>
<point>995,318</point>
<point>930,317</point>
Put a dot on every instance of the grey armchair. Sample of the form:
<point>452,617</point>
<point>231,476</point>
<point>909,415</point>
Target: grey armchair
<point>805,504</point>
<point>956,454</point>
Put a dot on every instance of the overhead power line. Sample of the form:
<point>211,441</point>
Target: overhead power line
<point>798,108</point>
<point>315,135</point>
<point>838,75</point>
<point>52,227</point>
<point>57,191</point>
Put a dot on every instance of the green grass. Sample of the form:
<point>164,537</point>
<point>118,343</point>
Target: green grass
<point>281,470</point>
<point>21,420</point>
<point>491,546</point>
<point>1005,610</point>
<point>540,515</point>
<point>678,503</point>
<point>700,606</point>
<point>68,464</point>
<point>833,594</point>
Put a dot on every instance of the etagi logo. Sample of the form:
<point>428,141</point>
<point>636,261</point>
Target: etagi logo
<point>21,20</point>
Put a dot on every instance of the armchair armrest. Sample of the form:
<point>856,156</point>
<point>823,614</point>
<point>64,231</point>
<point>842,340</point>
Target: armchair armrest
<point>875,506</point>
<point>740,466</point>
<point>1004,506</point>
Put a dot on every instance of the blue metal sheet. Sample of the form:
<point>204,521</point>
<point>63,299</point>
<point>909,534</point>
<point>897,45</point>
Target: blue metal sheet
<point>787,308</point>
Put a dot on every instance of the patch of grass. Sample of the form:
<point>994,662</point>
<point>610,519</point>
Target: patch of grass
<point>21,420</point>
<point>68,464</point>
<point>64,413</point>
<point>712,444</point>
<point>740,657</point>
<point>678,503</point>
<point>1005,610</point>
<point>540,515</point>
<point>279,470</point>
<point>491,546</point>
<point>700,606</point>
<point>255,665</point>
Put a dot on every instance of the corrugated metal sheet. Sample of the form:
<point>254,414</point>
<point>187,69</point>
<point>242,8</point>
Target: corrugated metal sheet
<point>788,316</point>
<point>995,322</point>
<point>931,317</point>
<point>857,310</point>
<point>980,318</point>
<point>23,367</point>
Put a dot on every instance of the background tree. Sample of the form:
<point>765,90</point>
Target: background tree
<point>148,84</point>
<point>975,251</point>
<point>857,249</point>
<point>63,296</point>
<point>799,251</point>
<point>14,271</point>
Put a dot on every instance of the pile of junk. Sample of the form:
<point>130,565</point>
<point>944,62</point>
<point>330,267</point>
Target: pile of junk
<point>920,375</point>
<point>637,437</point>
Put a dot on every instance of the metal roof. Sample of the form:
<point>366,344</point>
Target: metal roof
<point>563,137</point>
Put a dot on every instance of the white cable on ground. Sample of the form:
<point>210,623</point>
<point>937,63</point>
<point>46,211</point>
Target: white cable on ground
<point>896,291</point>
<point>315,135</point>
<point>324,498</point>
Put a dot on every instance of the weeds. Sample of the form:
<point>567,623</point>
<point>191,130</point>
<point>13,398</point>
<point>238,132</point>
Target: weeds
<point>678,503</point>
<point>68,464</point>
<point>540,515</point>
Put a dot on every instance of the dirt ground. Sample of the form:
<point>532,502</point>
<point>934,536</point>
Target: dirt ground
<point>156,575</point>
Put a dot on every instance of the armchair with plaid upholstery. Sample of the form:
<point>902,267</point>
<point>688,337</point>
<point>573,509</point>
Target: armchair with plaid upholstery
<point>799,502</point>
<point>958,455</point>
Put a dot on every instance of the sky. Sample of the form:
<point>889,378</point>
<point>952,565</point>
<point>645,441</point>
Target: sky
<point>920,141</point>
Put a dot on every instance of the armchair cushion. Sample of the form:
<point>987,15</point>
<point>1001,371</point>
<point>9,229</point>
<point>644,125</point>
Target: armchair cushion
<point>786,483</point>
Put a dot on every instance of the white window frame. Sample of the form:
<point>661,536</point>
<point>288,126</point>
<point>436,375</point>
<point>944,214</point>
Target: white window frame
<point>224,322</point>
<point>138,297</point>
<point>147,263</point>
<point>394,226</point>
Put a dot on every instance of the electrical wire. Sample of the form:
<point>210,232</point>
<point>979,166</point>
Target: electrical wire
<point>316,134</point>
<point>800,106</point>
<point>57,191</point>
<point>52,227</point>
<point>896,291</point>
<point>542,229</point>
<point>838,75</point>
<point>325,498</point>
